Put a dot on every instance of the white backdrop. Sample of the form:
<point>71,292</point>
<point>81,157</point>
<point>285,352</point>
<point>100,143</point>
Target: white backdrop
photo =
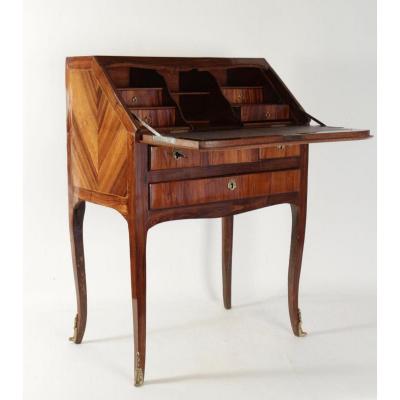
<point>325,51</point>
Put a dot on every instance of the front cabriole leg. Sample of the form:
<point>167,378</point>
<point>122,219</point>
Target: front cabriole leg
<point>296,253</point>
<point>76,215</point>
<point>299,215</point>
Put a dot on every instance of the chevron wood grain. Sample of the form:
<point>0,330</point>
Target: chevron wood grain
<point>98,138</point>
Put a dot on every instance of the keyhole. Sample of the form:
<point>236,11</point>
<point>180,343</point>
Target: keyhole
<point>177,155</point>
<point>232,185</point>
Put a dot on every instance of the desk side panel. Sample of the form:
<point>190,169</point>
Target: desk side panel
<point>97,138</point>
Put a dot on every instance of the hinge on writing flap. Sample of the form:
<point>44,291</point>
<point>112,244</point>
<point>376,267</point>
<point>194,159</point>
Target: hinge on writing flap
<point>157,135</point>
<point>150,128</point>
<point>314,119</point>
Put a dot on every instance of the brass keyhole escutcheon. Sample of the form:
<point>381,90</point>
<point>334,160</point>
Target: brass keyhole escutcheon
<point>232,184</point>
<point>239,98</point>
<point>177,155</point>
<point>134,99</point>
<point>267,114</point>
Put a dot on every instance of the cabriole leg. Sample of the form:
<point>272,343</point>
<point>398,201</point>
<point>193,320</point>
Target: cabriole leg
<point>76,215</point>
<point>227,241</point>
<point>296,254</point>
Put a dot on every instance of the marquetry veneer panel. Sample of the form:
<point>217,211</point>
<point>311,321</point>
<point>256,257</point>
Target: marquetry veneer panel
<point>98,138</point>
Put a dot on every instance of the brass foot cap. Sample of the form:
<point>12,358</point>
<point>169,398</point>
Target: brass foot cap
<point>73,338</point>
<point>300,332</point>
<point>139,380</point>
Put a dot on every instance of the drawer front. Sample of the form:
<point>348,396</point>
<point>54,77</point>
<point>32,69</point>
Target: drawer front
<point>142,97</point>
<point>166,158</point>
<point>264,112</point>
<point>231,156</point>
<point>239,95</point>
<point>280,151</point>
<point>169,158</point>
<point>156,117</point>
<point>209,190</point>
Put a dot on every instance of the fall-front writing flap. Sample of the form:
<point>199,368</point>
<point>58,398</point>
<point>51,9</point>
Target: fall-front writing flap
<point>251,137</point>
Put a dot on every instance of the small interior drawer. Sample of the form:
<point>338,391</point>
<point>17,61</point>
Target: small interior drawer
<point>142,97</point>
<point>243,95</point>
<point>167,158</point>
<point>264,112</point>
<point>155,116</point>
<point>209,190</point>
<point>280,151</point>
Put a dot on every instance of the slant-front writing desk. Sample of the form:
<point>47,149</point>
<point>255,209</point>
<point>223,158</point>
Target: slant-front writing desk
<point>160,139</point>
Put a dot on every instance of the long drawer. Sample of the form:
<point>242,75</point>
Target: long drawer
<point>209,190</point>
<point>170,158</point>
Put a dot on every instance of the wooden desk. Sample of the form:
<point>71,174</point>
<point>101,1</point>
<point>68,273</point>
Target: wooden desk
<point>161,139</point>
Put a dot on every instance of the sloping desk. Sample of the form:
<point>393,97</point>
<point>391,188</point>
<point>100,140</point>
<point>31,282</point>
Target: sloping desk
<point>162,139</point>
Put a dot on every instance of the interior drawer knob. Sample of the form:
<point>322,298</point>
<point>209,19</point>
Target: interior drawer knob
<point>281,147</point>
<point>268,114</point>
<point>232,184</point>
<point>148,119</point>
<point>134,100</point>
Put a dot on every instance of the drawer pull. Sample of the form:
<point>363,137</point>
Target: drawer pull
<point>281,147</point>
<point>268,114</point>
<point>232,184</point>
<point>177,155</point>
<point>148,119</point>
<point>134,100</point>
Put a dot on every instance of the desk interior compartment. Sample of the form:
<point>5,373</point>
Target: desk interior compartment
<point>253,97</point>
<point>145,93</point>
<point>201,100</point>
